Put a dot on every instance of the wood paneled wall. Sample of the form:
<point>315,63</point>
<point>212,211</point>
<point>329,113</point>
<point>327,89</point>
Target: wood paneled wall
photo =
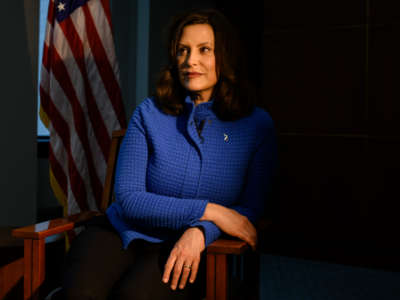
<point>329,73</point>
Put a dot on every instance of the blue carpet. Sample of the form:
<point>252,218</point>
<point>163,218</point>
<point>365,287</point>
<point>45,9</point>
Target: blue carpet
<point>284,278</point>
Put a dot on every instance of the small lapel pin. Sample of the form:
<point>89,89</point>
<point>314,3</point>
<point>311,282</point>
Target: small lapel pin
<point>226,137</point>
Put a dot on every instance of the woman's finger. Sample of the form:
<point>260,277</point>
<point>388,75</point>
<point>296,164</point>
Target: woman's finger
<point>195,268</point>
<point>177,273</point>
<point>249,235</point>
<point>187,268</point>
<point>168,267</point>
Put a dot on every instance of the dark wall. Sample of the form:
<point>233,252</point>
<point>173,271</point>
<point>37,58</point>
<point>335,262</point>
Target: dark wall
<point>18,114</point>
<point>329,75</point>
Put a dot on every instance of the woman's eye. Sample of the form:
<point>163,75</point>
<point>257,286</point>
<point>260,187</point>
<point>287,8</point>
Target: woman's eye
<point>205,49</point>
<point>181,51</point>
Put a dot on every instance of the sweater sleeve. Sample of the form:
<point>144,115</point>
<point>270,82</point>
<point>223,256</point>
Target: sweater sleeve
<point>210,230</point>
<point>140,207</point>
<point>262,169</point>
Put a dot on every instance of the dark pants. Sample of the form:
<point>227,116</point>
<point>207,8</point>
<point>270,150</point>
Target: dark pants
<point>97,267</point>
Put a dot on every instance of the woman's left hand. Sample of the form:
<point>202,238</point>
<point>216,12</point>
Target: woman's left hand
<point>186,252</point>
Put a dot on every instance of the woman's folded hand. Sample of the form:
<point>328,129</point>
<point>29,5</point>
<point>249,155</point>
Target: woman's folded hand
<point>231,222</point>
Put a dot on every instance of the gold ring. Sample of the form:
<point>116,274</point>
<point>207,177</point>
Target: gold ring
<point>186,266</point>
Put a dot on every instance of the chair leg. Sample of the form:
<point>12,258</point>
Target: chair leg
<point>34,267</point>
<point>210,276</point>
<point>217,277</point>
<point>221,277</point>
<point>10,275</point>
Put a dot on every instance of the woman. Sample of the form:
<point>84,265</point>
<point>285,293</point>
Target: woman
<point>196,162</point>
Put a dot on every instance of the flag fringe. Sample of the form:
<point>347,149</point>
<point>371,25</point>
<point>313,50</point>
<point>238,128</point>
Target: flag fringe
<point>43,117</point>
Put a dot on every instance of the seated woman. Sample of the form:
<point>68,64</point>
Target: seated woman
<point>196,162</point>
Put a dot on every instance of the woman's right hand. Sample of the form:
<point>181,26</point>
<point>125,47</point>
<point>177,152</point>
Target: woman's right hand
<point>231,222</point>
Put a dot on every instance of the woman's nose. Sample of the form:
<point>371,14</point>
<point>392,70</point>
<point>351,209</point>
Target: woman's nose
<point>192,58</point>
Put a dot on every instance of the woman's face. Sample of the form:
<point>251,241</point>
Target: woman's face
<point>196,60</point>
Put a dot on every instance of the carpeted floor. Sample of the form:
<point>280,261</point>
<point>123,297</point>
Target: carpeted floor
<point>284,278</point>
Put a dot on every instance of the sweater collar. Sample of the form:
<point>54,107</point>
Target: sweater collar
<point>200,110</point>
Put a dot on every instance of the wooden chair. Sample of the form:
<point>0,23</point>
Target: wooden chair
<point>11,265</point>
<point>35,235</point>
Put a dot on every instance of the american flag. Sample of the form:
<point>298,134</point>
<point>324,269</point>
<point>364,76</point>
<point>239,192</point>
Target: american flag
<point>80,99</point>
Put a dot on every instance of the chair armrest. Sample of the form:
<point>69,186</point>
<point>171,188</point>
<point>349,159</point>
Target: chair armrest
<point>225,246</point>
<point>52,227</point>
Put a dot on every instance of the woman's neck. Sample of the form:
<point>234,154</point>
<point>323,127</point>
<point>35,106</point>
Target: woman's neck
<point>200,98</point>
<point>197,102</point>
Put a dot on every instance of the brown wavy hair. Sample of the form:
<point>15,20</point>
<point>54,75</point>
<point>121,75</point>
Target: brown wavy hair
<point>233,95</point>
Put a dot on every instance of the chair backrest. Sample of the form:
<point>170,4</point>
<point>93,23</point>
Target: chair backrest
<point>108,190</point>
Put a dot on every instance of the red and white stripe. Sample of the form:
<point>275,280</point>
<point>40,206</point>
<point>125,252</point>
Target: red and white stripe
<point>81,97</point>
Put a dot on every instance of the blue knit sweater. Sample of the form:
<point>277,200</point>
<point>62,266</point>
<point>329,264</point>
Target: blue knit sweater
<point>167,172</point>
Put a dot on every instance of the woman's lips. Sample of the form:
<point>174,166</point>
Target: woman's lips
<point>192,74</point>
